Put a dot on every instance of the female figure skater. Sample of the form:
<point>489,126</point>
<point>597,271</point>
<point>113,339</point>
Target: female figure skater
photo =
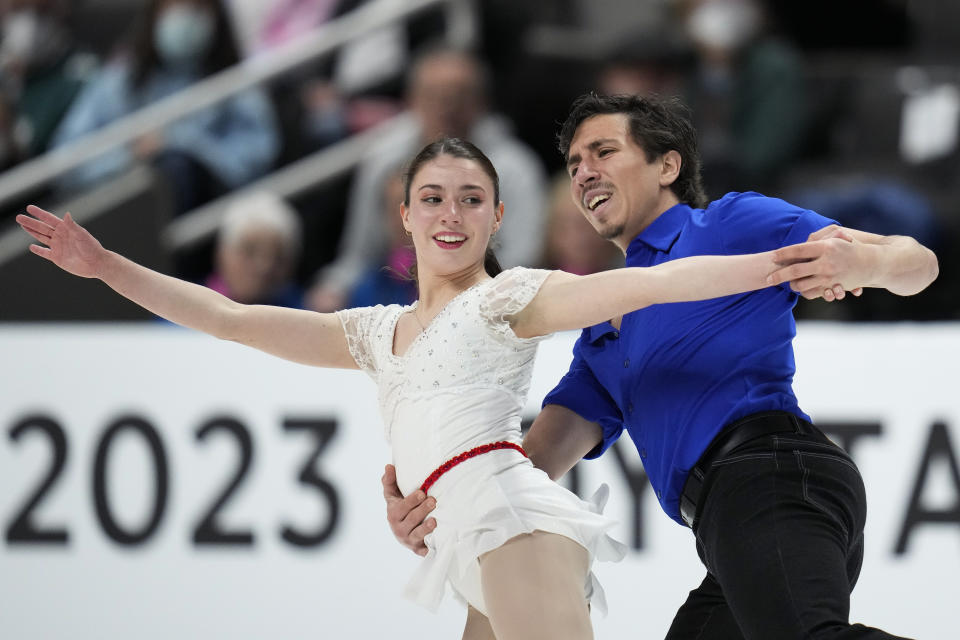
<point>453,370</point>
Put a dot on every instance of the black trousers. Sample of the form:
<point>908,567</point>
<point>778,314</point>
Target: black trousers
<point>780,531</point>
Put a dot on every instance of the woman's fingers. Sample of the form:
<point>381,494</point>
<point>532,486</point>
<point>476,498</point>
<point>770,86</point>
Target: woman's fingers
<point>42,225</point>
<point>43,215</point>
<point>43,252</point>
<point>38,236</point>
<point>34,227</point>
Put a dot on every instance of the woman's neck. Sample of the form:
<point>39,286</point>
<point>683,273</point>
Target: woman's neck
<point>438,290</point>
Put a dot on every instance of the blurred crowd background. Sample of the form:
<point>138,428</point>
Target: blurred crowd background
<point>256,146</point>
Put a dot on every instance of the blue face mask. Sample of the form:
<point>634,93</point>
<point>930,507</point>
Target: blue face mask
<point>183,34</point>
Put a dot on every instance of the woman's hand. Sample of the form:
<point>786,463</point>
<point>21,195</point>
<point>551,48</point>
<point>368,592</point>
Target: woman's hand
<point>66,244</point>
<point>830,255</point>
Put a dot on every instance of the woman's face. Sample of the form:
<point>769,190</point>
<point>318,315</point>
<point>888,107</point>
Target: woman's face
<point>451,215</point>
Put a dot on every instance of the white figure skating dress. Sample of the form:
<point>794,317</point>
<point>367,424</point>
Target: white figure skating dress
<point>462,383</point>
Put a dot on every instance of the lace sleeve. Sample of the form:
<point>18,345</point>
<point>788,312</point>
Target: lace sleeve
<point>358,326</point>
<point>508,294</point>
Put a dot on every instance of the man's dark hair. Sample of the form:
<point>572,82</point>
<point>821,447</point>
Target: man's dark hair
<point>657,125</point>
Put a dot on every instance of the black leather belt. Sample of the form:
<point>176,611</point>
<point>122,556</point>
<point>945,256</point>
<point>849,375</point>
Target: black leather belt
<point>732,436</point>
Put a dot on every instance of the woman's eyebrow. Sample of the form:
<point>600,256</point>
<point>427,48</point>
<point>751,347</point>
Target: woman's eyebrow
<point>465,187</point>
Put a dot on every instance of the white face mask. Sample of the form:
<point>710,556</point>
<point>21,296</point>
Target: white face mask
<point>30,39</point>
<point>723,24</point>
<point>183,34</point>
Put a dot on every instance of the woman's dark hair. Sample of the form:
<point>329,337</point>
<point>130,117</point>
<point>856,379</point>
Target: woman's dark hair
<point>223,51</point>
<point>457,148</point>
<point>657,125</point>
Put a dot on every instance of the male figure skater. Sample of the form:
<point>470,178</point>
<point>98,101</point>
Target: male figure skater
<point>704,388</point>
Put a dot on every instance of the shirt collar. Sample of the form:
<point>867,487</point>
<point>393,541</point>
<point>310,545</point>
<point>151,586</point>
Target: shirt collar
<point>597,331</point>
<point>664,230</point>
<point>660,236</point>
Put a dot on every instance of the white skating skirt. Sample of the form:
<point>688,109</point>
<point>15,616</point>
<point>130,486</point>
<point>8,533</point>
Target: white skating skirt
<point>491,498</point>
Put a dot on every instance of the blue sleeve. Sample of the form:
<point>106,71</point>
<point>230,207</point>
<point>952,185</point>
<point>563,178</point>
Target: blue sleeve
<point>752,223</point>
<point>581,392</point>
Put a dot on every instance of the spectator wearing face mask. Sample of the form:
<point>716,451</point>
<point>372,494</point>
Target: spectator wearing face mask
<point>201,155</point>
<point>41,72</point>
<point>747,95</point>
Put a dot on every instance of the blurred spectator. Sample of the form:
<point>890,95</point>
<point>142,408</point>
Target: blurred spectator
<point>317,102</point>
<point>572,243</point>
<point>258,245</point>
<point>353,88</point>
<point>287,20</point>
<point>178,42</point>
<point>656,63</point>
<point>746,92</point>
<point>313,109</point>
<point>41,72</point>
<point>389,282</point>
<point>447,95</point>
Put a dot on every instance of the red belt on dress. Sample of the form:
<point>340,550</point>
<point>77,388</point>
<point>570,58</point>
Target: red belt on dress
<point>466,455</point>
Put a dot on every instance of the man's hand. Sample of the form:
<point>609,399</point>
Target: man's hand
<point>408,516</point>
<point>826,266</point>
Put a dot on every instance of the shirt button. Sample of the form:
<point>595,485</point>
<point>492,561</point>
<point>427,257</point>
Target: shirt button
<point>643,453</point>
<point>616,334</point>
<point>659,495</point>
<point>626,363</point>
<point>630,408</point>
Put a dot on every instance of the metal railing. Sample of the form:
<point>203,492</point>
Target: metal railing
<point>36,173</point>
<point>194,226</point>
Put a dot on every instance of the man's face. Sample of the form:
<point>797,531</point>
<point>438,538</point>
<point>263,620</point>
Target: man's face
<point>614,186</point>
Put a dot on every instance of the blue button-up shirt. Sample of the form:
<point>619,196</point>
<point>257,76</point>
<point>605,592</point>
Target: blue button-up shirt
<point>675,374</point>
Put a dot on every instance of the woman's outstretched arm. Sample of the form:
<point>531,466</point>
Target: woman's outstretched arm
<point>567,301</point>
<point>301,336</point>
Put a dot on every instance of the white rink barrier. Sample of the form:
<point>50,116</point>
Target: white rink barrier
<point>156,483</point>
